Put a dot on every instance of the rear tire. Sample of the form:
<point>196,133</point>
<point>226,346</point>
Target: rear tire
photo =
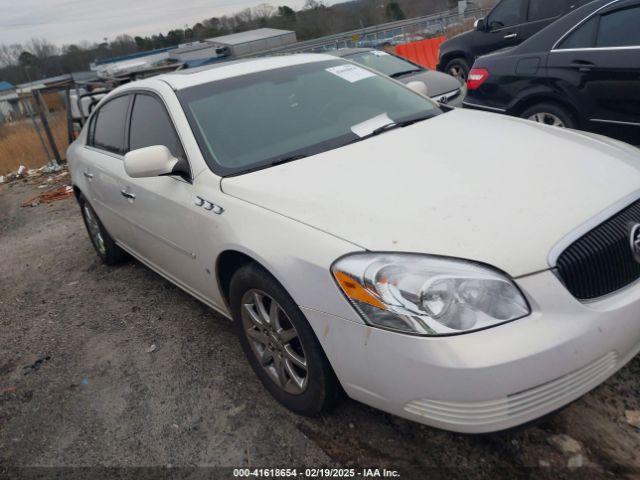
<point>105,246</point>
<point>550,114</point>
<point>458,68</point>
<point>278,341</point>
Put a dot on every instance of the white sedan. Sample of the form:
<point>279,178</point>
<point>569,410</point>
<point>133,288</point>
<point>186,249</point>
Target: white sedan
<point>322,207</point>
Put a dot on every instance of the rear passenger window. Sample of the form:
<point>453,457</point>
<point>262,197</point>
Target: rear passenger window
<point>109,123</point>
<point>620,28</point>
<point>582,37</point>
<point>151,125</point>
<point>543,9</point>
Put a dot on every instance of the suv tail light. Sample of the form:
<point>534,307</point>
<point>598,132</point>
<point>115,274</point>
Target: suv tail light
<point>477,76</point>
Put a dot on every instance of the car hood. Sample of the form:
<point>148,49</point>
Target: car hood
<point>437,83</point>
<point>466,184</point>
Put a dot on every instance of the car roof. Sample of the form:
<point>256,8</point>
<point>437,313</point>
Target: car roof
<point>345,52</point>
<point>197,76</point>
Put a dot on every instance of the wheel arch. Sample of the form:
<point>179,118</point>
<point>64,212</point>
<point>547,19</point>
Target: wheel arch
<point>526,102</point>
<point>229,262</point>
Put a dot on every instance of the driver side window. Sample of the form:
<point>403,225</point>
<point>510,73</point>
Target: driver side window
<point>507,14</point>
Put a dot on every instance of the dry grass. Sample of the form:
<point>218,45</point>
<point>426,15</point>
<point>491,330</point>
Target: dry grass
<point>20,145</point>
<point>453,30</point>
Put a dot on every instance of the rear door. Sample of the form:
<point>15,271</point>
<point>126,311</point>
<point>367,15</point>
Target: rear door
<point>599,64</point>
<point>105,168</point>
<point>503,27</point>
<point>164,217</point>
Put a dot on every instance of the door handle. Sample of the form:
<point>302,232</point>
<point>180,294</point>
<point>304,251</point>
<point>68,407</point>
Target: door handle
<point>127,194</point>
<point>510,36</point>
<point>583,65</point>
<point>88,175</point>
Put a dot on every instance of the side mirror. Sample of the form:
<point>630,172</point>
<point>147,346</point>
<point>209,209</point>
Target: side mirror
<point>149,162</point>
<point>480,25</point>
<point>419,87</point>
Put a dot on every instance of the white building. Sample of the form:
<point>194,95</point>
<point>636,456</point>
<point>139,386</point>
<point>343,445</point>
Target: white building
<point>254,41</point>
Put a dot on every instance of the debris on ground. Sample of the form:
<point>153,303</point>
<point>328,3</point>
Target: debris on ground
<point>34,173</point>
<point>85,381</point>
<point>633,417</point>
<point>152,348</point>
<point>12,389</point>
<point>564,443</point>
<point>36,365</point>
<point>544,464</point>
<point>576,461</point>
<point>50,196</point>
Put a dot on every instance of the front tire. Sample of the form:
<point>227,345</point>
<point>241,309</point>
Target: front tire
<point>105,246</point>
<point>550,114</point>
<point>280,344</point>
<point>458,68</point>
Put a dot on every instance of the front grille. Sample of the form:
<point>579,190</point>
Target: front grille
<point>602,261</point>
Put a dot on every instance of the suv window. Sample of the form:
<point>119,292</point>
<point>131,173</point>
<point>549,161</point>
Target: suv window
<point>543,9</point>
<point>506,14</point>
<point>619,28</point>
<point>582,37</point>
<point>151,125</point>
<point>108,125</point>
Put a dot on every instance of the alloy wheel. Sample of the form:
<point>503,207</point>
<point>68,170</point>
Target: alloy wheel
<point>274,341</point>
<point>547,119</point>
<point>94,229</point>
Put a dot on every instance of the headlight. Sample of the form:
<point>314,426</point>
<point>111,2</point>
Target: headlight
<point>425,295</point>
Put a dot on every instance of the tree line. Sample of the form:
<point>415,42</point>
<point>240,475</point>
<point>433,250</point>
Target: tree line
<point>40,58</point>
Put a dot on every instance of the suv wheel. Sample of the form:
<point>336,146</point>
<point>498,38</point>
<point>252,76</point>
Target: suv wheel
<point>550,114</point>
<point>105,246</point>
<point>459,69</point>
<point>280,344</point>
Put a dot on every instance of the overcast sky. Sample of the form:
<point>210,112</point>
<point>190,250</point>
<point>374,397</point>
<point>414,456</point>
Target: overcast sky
<point>72,21</point>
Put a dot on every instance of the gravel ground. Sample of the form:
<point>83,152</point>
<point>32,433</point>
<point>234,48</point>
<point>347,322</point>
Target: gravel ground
<point>98,397</point>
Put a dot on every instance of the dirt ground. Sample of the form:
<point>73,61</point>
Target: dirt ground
<point>99,398</point>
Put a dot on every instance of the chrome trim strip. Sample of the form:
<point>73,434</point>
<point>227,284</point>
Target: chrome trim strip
<point>484,107</point>
<point>617,122</point>
<point>104,152</point>
<point>584,20</point>
<point>595,49</point>
<point>589,225</point>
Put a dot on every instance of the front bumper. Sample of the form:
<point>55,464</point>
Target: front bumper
<point>494,379</point>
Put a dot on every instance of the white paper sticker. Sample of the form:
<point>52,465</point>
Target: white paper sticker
<point>368,126</point>
<point>351,73</point>
<point>379,53</point>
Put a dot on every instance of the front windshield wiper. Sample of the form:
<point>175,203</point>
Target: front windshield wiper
<point>405,72</point>
<point>287,159</point>
<point>394,125</point>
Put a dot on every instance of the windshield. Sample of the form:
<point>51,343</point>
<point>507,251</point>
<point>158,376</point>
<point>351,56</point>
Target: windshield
<point>261,119</point>
<point>384,63</point>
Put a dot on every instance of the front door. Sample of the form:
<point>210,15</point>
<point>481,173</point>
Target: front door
<point>164,216</point>
<point>503,26</point>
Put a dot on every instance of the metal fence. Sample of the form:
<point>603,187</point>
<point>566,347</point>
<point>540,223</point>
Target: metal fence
<point>400,31</point>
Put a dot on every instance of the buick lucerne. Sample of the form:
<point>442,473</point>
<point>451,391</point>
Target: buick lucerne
<point>320,206</point>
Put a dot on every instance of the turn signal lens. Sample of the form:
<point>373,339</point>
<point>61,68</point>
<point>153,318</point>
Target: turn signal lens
<point>477,76</point>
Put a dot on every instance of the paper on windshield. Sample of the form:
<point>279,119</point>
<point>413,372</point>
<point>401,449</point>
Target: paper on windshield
<point>379,53</point>
<point>368,126</point>
<point>351,73</point>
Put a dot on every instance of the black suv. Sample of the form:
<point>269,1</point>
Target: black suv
<point>581,72</point>
<point>509,23</point>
